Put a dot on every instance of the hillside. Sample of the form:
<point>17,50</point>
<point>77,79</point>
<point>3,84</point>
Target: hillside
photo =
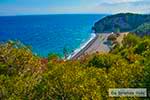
<point>143,29</point>
<point>122,22</point>
<point>24,76</point>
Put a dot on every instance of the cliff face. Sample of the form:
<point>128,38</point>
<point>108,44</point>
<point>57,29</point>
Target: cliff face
<point>122,22</point>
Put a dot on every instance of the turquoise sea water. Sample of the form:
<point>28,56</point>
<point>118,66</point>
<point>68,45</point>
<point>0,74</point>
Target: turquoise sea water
<point>48,33</point>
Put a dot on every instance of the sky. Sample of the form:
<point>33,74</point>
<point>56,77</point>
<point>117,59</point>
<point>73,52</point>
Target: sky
<point>29,7</point>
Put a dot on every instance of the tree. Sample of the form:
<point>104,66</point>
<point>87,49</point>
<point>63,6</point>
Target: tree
<point>24,77</point>
<point>53,56</point>
<point>130,40</point>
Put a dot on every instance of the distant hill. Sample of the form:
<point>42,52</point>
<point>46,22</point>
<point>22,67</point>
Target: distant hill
<point>143,29</point>
<point>123,22</point>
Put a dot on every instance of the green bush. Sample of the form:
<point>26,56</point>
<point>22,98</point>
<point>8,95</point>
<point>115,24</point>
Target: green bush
<point>24,77</point>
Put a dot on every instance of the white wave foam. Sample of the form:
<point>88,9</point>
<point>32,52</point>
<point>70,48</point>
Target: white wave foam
<point>93,35</point>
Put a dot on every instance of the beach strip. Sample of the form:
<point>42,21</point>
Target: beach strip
<point>96,44</point>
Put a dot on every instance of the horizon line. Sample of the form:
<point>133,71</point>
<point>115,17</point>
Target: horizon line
<point>58,14</point>
<point>70,14</point>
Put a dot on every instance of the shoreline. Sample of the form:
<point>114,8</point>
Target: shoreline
<point>78,50</point>
<point>95,44</point>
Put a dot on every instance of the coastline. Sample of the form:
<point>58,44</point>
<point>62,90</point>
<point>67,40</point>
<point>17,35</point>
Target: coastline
<point>95,44</point>
<point>78,50</point>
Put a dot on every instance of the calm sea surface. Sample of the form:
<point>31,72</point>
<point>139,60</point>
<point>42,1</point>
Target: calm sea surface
<point>48,33</point>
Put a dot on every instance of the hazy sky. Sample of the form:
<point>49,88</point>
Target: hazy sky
<point>26,7</point>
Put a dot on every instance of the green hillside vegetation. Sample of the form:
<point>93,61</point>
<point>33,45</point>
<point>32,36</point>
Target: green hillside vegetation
<point>24,76</point>
<point>144,29</point>
<point>123,22</point>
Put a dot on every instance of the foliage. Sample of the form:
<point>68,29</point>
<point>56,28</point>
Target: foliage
<point>143,29</point>
<point>19,71</point>
<point>53,56</point>
<point>112,37</point>
<point>130,40</point>
<point>123,22</point>
<point>103,60</point>
<point>24,77</point>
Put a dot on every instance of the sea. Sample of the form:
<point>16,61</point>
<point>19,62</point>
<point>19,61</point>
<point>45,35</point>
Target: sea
<point>48,34</point>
